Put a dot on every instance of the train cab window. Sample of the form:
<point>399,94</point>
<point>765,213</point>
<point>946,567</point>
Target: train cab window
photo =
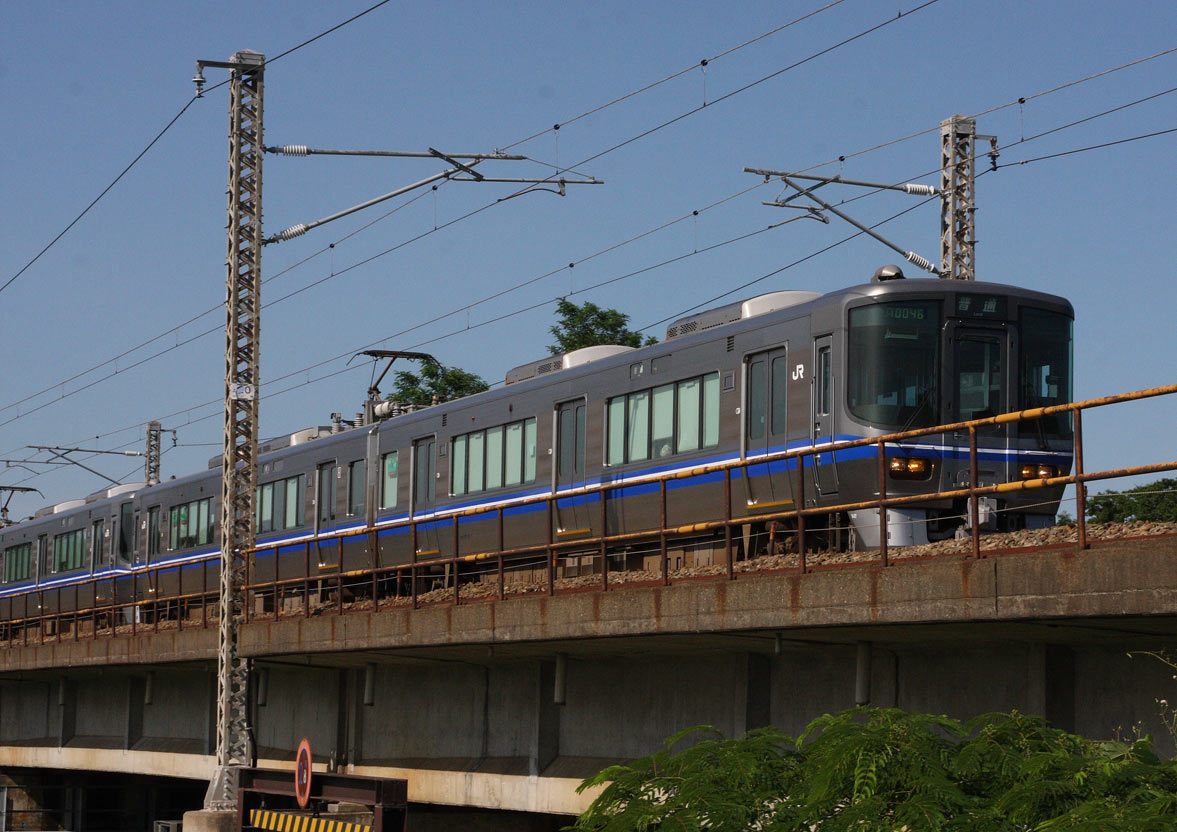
<point>18,562</point>
<point>326,493</point>
<point>389,467</point>
<point>979,378</point>
<point>357,487</point>
<point>657,423</point>
<point>1045,369</point>
<point>893,364</point>
<point>153,531</point>
<point>97,543</point>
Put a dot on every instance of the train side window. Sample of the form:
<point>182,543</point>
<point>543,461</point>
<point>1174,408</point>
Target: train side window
<point>357,478</point>
<point>757,399</point>
<point>389,479</point>
<point>191,524</point>
<point>279,504</point>
<point>69,550</point>
<point>17,562</point>
<point>513,454</point>
<point>638,416</point>
<point>825,370</point>
<point>662,421</point>
<point>153,531</point>
<point>669,419</point>
<point>616,433</point>
<point>492,458</point>
<point>42,554</point>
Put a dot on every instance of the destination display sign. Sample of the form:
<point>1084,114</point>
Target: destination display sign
<point>980,306</point>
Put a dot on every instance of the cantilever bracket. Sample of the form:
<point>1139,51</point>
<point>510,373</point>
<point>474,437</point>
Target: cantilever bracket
<point>465,168</point>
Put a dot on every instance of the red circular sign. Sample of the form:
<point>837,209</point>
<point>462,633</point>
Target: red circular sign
<point>302,773</point>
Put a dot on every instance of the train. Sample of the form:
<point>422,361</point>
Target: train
<point>784,370</point>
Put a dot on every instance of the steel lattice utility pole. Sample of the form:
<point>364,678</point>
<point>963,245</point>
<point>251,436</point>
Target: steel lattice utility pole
<point>958,223</point>
<point>239,463</point>
<point>957,228</point>
<point>151,466</point>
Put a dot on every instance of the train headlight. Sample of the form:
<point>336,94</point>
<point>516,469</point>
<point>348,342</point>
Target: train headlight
<point>1032,471</point>
<point>908,467</point>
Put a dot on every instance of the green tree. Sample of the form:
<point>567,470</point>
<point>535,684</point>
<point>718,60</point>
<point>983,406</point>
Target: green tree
<point>883,770</point>
<point>446,383</point>
<point>1151,502</point>
<point>588,325</point>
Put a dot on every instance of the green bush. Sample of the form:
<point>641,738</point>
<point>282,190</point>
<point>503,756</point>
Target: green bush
<point>884,770</point>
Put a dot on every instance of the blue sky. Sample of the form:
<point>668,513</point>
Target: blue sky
<point>85,86</point>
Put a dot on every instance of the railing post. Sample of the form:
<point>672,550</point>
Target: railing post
<point>604,548</point>
<point>974,509</point>
<point>727,521</point>
<point>373,561</point>
<point>502,575</point>
<point>339,578</point>
<point>884,554</point>
<point>799,504</point>
<point>662,532</point>
<point>550,551</point>
<point>1080,486</point>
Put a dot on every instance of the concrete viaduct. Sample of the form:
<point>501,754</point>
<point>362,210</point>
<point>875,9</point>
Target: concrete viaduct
<point>462,700</point>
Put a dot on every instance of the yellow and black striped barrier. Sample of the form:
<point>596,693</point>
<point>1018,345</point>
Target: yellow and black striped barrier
<point>291,822</point>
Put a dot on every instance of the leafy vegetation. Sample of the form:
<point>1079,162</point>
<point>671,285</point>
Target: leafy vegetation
<point>884,770</point>
<point>435,380</point>
<point>588,325</point>
<point>1151,502</point>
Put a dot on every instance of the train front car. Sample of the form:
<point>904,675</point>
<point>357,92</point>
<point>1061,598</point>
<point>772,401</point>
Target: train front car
<point>923,353</point>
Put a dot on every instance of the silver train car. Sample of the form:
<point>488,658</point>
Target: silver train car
<point>780,371</point>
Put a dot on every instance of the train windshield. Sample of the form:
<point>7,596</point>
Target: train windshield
<point>893,364</point>
<point>1045,369</point>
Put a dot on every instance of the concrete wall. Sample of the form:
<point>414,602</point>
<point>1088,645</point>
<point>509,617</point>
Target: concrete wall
<point>25,711</point>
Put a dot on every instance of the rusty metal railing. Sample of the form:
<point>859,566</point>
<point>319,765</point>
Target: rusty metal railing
<point>383,583</point>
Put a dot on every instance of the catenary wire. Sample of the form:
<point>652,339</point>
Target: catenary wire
<point>1064,86</point>
<point>566,122</point>
<point>160,135</point>
<point>920,133</point>
<point>1021,141</point>
<point>598,155</point>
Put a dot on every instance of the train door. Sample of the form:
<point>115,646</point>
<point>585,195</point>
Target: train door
<point>126,534</point>
<point>823,385</point>
<point>572,513</point>
<point>979,387</point>
<point>97,545</point>
<point>425,494</point>
<point>766,378</point>
<point>325,497</point>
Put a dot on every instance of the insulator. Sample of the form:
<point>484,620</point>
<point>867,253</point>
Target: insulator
<point>292,150</point>
<point>926,265</point>
<point>920,190</point>
<point>293,231</point>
